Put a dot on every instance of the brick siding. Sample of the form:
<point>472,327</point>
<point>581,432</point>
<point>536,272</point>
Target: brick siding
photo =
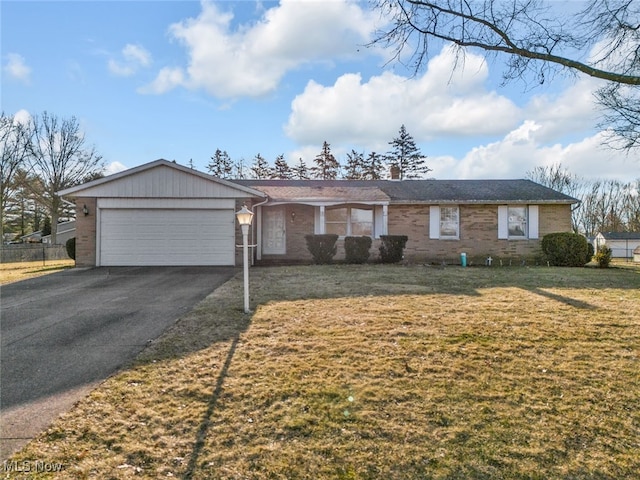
<point>478,235</point>
<point>85,233</point>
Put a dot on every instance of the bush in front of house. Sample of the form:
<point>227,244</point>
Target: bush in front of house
<point>590,253</point>
<point>565,249</point>
<point>392,248</point>
<point>603,256</point>
<point>71,248</point>
<point>357,249</point>
<point>322,247</point>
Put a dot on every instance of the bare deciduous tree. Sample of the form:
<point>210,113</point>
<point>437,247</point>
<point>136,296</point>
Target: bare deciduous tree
<point>13,152</point>
<point>59,156</point>
<point>601,40</point>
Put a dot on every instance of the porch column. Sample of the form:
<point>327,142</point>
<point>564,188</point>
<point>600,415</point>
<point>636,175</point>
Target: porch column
<point>322,224</point>
<point>385,219</point>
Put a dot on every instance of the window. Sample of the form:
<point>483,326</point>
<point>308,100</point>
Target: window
<point>449,223</point>
<point>336,221</point>
<point>444,222</point>
<point>517,222</point>
<point>345,221</point>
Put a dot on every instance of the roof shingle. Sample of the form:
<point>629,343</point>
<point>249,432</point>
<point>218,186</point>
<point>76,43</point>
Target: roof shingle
<point>411,191</point>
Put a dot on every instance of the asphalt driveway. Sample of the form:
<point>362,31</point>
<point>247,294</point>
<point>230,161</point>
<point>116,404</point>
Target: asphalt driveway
<point>62,334</point>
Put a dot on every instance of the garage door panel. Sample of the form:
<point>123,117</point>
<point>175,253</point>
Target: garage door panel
<point>166,237</point>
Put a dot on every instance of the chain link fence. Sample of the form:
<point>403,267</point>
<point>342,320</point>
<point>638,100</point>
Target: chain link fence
<point>32,253</point>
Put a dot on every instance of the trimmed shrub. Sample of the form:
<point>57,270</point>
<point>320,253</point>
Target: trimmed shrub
<point>322,247</point>
<point>71,248</point>
<point>590,253</point>
<point>603,257</point>
<point>565,249</point>
<point>392,248</point>
<point>357,249</point>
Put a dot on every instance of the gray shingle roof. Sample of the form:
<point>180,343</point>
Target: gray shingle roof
<point>621,235</point>
<point>424,191</point>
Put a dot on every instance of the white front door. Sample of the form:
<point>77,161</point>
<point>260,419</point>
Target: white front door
<point>273,231</point>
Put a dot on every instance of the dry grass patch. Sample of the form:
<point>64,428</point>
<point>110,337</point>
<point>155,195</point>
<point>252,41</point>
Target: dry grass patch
<point>14,272</point>
<point>377,372</point>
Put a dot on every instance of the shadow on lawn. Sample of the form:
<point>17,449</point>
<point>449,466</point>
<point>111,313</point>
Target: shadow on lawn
<point>206,418</point>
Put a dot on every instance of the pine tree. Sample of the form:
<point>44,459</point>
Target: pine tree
<point>46,228</point>
<point>281,169</point>
<point>220,165</point>
<point>373,167</point>
<point>406,156</point>
<point>327,167</point>
<point>260,168</point>
<point>300,171</point>
<point>354,169</point>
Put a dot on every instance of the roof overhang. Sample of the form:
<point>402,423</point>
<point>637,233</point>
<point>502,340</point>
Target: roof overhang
<point>101,186</point>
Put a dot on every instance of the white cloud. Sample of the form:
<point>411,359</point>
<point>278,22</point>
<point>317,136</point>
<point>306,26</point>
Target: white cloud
<point>133,58</point>
<point>571,110</point>
<point>438,103</point>
<point>17,68</point>
<point>114,167</point>
<point>22,117</point>
<point>251,59</point>
<point>523,149</point>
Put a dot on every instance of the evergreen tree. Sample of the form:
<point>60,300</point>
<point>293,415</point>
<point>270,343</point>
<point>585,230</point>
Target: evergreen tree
<point>260,168</point>
<point>220,165</point>
<point>281,169</point>
<point>406,156</point>
<point>46,228</point>
<point>373,167</point>
<point>300,171</point>
<point>354,169</point>
<point>327,167</point>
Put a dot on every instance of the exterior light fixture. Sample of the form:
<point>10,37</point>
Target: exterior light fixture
<point>245,216</point>
<point>293,217</point>
<point>85,210</point>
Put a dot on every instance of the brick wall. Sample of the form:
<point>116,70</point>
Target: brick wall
<point>86,233</point>
<point>478,233</point>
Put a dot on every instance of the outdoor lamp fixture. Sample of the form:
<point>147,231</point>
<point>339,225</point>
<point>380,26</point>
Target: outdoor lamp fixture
<point>245,216</point>
<point>85,210</point>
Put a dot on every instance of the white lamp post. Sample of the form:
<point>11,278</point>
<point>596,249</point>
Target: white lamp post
<point>245,216</point>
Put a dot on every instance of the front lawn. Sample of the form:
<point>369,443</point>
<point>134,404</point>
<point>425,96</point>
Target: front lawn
<point>16,271</point>
<point>377,372</point>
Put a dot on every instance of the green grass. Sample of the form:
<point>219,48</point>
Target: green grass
<point>367,372</point>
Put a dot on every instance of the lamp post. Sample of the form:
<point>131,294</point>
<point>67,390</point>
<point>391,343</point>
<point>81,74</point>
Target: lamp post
<point>245,216</point>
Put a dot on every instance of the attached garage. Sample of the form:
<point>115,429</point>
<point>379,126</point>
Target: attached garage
<point>158,214</point>
<point>166,237</point>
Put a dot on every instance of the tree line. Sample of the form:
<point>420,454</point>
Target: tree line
<point>404,156</point>
<point>605,205</point>
<point>45,154</point>
<point>38,157</point>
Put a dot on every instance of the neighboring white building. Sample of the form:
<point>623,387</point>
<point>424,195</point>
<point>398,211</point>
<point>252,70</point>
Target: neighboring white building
<point>66,230</point>
<point>622,244</point>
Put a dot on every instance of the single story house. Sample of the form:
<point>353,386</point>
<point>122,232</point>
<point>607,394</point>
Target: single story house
<point>66,230</point>
<point>622,244</point>
<point>162,213</point>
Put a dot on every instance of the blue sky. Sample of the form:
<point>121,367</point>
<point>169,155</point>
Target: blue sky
<point>177,80</point>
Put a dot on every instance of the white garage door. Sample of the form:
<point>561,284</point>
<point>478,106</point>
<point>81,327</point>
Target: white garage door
<point>142,237</point>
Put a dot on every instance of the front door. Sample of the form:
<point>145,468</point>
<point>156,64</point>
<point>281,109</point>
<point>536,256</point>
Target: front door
<point>273,231</point>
